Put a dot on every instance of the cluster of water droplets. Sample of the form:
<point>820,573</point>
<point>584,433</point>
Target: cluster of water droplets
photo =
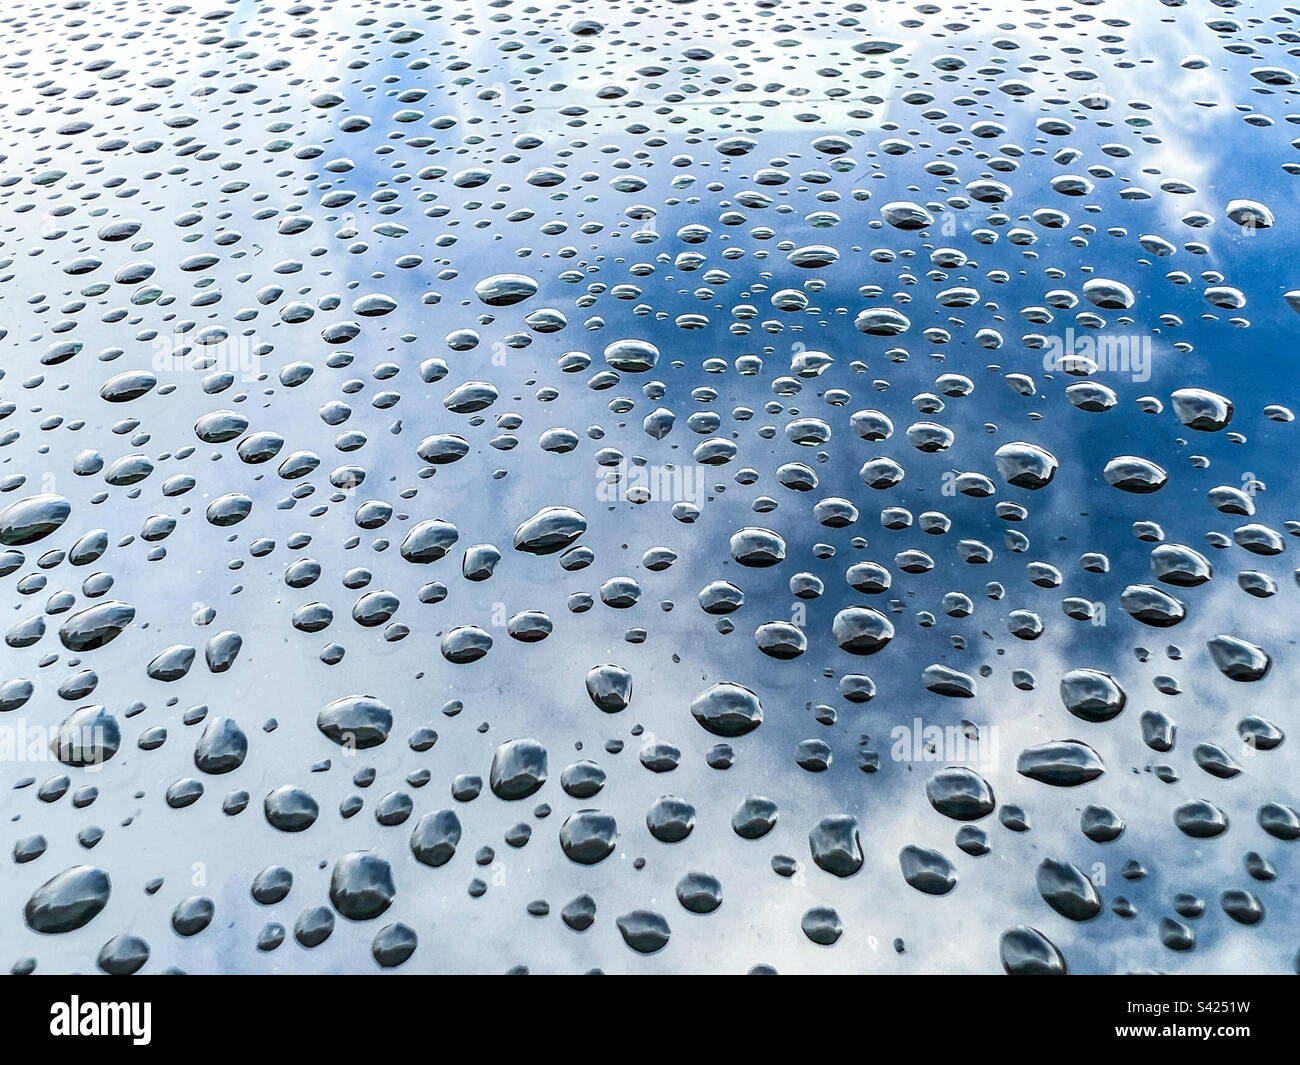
<point>757,439</point>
